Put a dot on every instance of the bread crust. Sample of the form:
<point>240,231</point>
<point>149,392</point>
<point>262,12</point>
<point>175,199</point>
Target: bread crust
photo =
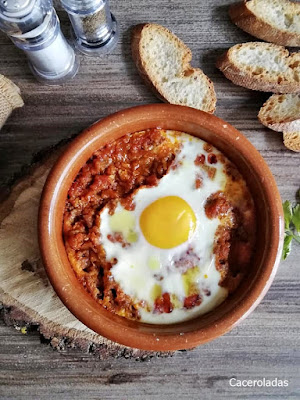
<point>291,140</point>
<point>242,77</point>
<point>256,26</point>
<point>154,85</point>
<point>135,51</point>
<point>284,124</point>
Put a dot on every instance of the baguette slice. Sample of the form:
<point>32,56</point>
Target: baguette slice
<point>276,21</point>
<point>163,61</point>
<point>262,66</point>
<point>291,140</point>
<point>281,112</point>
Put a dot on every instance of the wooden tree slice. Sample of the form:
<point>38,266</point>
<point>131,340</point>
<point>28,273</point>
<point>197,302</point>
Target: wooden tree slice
<point>28,299</point>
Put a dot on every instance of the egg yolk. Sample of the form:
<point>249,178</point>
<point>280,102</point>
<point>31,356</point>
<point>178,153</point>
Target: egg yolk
<point>168,222</point>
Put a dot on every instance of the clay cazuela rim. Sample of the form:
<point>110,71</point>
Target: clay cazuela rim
<point>268,248</point>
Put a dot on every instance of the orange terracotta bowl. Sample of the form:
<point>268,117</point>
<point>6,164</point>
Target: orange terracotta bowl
<point>269,233</point>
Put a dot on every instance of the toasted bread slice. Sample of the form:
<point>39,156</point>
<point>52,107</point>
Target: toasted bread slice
<point>281,112</point>
<point>276,21</point>
<point>291,140</point>
<point>262,66</point>
<point>163,61</point>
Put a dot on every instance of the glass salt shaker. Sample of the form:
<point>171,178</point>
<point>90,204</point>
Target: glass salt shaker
<point>96,30</point>
<point>33,26</point>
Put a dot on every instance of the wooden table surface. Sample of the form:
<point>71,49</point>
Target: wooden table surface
<point>266,344</point>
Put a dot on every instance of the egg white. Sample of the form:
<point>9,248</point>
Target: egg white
<point>136,270</point>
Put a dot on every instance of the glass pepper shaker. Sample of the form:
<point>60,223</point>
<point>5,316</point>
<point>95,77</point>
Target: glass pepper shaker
<point>33,26</point>
<point>95,28</point>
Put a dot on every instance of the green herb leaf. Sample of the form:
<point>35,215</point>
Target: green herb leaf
<point>297,238</point>
<point>291,225</point>
<point>287,245</point>
<point>296,217</point>
<point>287,210</point>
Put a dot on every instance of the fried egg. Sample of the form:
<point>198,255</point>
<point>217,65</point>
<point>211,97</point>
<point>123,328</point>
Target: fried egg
<point>168,240</point>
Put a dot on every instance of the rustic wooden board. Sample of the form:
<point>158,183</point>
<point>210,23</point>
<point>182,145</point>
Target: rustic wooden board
<point>267,343</point>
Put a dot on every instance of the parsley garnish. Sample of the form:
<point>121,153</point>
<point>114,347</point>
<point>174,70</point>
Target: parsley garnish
<point>291,225</point>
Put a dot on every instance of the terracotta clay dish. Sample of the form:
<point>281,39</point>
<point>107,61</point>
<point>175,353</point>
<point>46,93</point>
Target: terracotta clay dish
<point>89,305</point>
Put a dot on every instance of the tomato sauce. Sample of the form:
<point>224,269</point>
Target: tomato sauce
<point>114,173</point>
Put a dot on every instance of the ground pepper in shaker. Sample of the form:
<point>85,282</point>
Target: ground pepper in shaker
<point>33,26</point>
<point>95,28</point>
